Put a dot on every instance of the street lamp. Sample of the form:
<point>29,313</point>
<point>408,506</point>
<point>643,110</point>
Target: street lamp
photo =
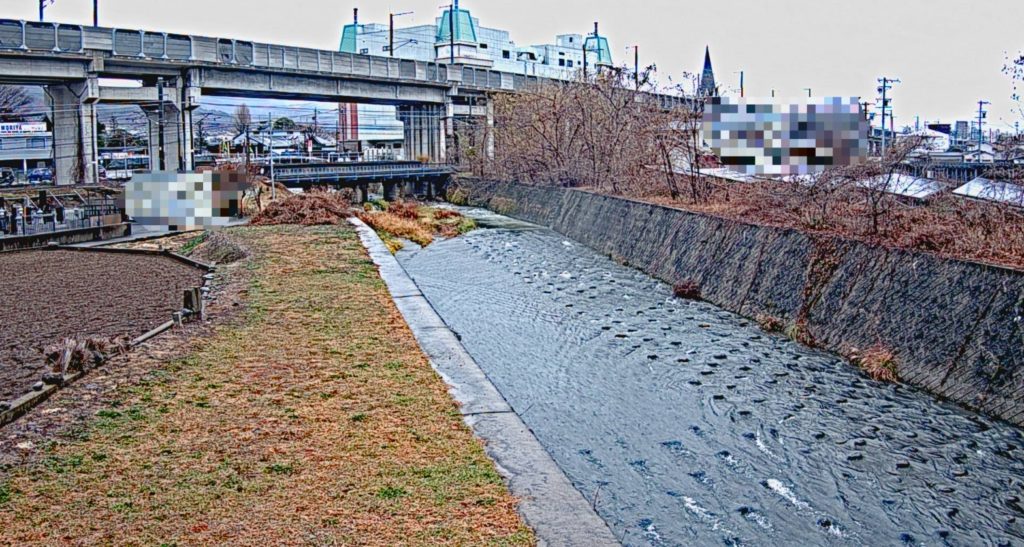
<point>42,6</point>
<point>740,72</point>
<point>391,30</point>
<point>95,10</point>
<point>636,65</point>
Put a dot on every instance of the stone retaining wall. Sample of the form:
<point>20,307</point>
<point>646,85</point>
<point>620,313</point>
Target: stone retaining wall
<point>66,237</point>
<point>955,328</point>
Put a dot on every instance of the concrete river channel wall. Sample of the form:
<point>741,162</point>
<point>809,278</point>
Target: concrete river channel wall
<point>955,328</point>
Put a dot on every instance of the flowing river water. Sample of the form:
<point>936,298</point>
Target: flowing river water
<point>684,424</point>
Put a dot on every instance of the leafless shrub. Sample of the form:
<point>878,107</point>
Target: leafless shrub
<point>596,132</point>
<point>770,323</point>
<point>878,362</point>
<point>688,289</point>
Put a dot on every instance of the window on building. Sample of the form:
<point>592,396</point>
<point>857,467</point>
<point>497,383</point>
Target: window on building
<point>364,51</point>
<point>561,62</point>
<point>483,46</point>
<point>506,54</point>
<point>37,142</point>
<point>569,64</point>
<point>561,54</point>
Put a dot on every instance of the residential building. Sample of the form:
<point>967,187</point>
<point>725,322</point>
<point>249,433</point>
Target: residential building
<point>478,45</point>
<point>456,36</point>
<point>25,145</point>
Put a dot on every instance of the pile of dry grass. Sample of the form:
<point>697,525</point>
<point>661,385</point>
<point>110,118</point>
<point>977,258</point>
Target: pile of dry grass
<point>687,289</point>
<point>71,355</point>
<point>310,209</point>
<point>261,194</point>
<point>878,362</point>
<point>218,248</point>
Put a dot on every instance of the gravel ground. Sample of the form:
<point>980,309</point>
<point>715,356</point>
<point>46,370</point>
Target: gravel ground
<point>49,295</point>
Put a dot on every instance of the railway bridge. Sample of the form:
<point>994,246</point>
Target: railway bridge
<point>72,62</point>
<point>176,71</point>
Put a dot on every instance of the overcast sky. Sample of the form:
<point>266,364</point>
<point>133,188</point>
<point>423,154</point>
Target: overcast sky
<point>948,53</point>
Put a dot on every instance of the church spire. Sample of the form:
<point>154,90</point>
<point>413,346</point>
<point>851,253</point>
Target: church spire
<point>707,78</point>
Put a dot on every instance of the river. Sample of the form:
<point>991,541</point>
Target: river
<point>684,424</point>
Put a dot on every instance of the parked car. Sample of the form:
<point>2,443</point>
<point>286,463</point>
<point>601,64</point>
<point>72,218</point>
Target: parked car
<point>41,175</point>
<point>7,177</point>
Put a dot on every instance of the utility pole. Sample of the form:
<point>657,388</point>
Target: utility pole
<point>95,13</point>
<point>864,109</point>
<point>391,31</point>
<point>42,6</point>
<point>273,185</point>
<point>584,57</point>
<point>451,30</point>
<point>160,125</point>
<point>981,122</point>
<point>741,84</point>
<point>636,66</point>
<point>585,50</point>
<point>884,90</point>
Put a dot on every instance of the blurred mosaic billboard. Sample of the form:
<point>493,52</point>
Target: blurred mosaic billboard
<point>762,137</point>
<point>184,201</point>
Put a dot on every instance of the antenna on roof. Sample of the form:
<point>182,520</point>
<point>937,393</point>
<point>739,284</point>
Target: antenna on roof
<point>595,28</point>
<point>355,16</point>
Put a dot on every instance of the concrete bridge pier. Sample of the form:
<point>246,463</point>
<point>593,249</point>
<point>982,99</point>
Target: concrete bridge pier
<point>424,132</point>
<point>390,191</point>
<point>177,141</point>
<point>73,107</point>
<point>363,192</point>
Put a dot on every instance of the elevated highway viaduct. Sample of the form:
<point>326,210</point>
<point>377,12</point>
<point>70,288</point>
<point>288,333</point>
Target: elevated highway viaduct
<point>72,61</point>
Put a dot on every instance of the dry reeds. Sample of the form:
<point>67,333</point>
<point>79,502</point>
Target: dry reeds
<point>309,209</point>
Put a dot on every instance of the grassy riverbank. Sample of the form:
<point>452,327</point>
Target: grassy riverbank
<point>313,417</point>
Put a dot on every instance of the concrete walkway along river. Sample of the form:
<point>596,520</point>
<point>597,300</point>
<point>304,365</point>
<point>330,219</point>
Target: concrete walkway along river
<point>685,424</point>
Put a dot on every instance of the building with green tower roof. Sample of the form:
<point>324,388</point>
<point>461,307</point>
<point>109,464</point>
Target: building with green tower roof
<point>479,46</point>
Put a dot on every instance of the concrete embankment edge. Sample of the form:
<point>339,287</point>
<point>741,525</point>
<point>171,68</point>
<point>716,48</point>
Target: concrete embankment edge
<point>549,504</point>
<point>955,328</point>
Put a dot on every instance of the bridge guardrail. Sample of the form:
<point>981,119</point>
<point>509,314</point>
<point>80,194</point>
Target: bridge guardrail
<point>55,38</point>
<point>58,38</point>
<point>294,173</point>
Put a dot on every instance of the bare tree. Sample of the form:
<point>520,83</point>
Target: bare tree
<point>15,102</point>
<point>1013,67</point>
<point>596,132</point>
<point>242,118</point>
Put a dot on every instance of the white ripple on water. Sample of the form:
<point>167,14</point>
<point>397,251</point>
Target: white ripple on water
<point>785,492</point>
<point>763,447</point>
<point>706,516</point>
